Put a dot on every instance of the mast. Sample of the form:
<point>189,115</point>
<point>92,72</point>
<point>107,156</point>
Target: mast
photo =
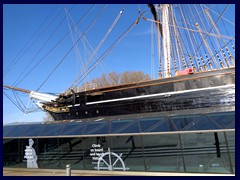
<point>44,97</point>
<point>17,89</point>
<point>166,40</point>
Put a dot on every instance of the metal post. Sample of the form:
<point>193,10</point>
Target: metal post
<point>68,170</point>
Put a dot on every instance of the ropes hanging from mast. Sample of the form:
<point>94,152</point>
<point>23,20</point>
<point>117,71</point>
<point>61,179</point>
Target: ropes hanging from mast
<point>30,42</point>
<point>185,48</point>
<point>204,38</point>
<point>206,50</point>
<point>89,26</point>
<point>98,47</point>
<point>54,47</point>
<point>34,57</point>
<point>80,79</point>
<point>102,41</point>
<point>18,102</point>
<point>193,47</point>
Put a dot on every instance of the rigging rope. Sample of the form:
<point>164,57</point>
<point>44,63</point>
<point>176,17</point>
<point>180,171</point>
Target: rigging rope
<point>85,42</point>
<point>88,11</point>
<point>152,51</point>
<point>193,30</point>
<point>51,35</point>
<point>176,40</point>
<point>19,107</point>
<point>101,42</point>
<point>77,50</point>
<point>19,104</point>
<point>194,42</point>
<point>19,100</point>
<point>204,38</point>
<point>229,54</point>
<point>89,26</point>
<point>80,79</point>
<point>176,48</point>
<point>187,33</point>
<point>24,50</point>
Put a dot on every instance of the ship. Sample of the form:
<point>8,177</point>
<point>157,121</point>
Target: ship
<point>196,72</point>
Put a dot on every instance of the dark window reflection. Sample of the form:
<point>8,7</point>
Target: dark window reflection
<point>163,153</point>
<point>130,149</point>
<point>92,150</point>
<point>11,156</point>
<point>48,153</point>
<point>230,137</point>
<point>205,152</point>
<point>70,152</point>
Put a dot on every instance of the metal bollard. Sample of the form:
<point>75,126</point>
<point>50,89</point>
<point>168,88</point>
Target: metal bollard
<point>68,170</point>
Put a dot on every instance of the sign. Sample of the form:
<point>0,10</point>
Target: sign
<point>95,152</point>
<point>103,160</point>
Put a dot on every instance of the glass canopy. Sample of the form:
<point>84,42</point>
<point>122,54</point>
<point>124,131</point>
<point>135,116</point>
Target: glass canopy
<point>124,126</point>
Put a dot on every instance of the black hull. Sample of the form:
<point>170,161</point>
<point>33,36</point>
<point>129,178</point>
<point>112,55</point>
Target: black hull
<point>209,91</point>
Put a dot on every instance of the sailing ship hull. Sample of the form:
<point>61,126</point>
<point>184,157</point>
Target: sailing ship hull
<point>212,91</point>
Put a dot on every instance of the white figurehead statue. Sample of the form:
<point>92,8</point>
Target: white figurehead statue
<point>30,155</point>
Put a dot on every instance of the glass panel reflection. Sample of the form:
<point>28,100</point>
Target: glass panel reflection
<point>52,130</point>
<point>205,152</point>
<point>106,145</point>
<point>70,152</point>
<point>48,153</point>
<point>19,131</point>
<point>35,130</point>
<point>97,128</point>
<point>73,129</point>
<point>224,120</point>
<point>124,126</point>
<point>11,156</point>
<point>163,153</point>
<point>7,130</point>
<point>230,136</point>
<point>93,149</point>
<point>129,149</point>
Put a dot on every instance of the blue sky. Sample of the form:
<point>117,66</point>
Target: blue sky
<point>22,21</point>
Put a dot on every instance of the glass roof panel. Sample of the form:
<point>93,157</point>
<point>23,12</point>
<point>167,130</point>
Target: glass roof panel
<point>202,123</point>
<point>18,130</point>
<point>231,126</point>
<point>125,127</point>
<point>211,121</point>
<point>7,130</point>
<point>182,121</point>
<point>35,130</point>
<point>148,123</point>
<point>162,126</point>
<point>97,128</point>
<point>116,124</point>
<point>52,129</point>
<point>73,128</point>
<point>225,120</point>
